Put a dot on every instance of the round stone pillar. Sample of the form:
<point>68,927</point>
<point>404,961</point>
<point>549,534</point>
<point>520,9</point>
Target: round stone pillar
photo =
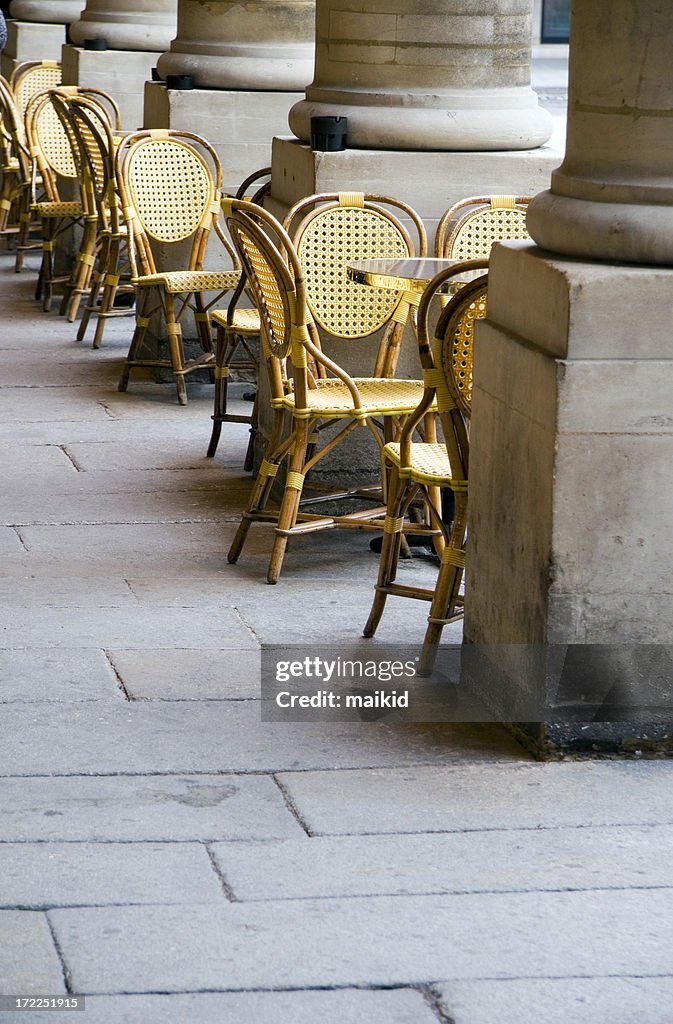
<point>267,45</point>
<point>425,75</point>
<point>54,12</point>
<point>128,24</point>
<point>612,197</point>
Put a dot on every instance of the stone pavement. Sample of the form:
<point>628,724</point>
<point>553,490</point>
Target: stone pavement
<point>175,859</point>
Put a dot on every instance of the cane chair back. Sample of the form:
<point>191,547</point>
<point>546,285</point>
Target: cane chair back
<point>321,395</point>
<point>331,229</point>
<point>170,187</point>
<point>14,161</point>
<point>32,77</point>
<point>420,470</point>
<point>469,228</point>
<point>237,332</point>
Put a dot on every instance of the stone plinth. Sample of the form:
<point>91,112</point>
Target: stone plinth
<point>128,24</point>
<point>418,75</point>
<point>571,505</point>
<point>264,46</point>
<point>122,73</point>
<point>30,40</point>
<point>239,124</point>
<point>60,12</point>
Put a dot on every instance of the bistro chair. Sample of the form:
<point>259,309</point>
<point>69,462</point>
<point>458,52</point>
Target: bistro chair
<point>237,336</point>
<point>104,114</point>
<point>469,228</point>
<point>170,187</point>
<point>418,470</point>
<point>13,175</point>
<point>55,169</point>
<point>307,388</point>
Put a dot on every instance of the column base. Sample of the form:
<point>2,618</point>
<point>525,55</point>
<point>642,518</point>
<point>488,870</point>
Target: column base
<point>122,73</point>
<point>31,40</point>
<point>571,513</point>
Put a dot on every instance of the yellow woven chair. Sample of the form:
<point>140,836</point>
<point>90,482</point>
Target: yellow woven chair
<point>418,471</point>
<point>104,113</point>
<point>237,331</point>
<point>469,228</point>
<point>14,176</point>
<point>319,394</point>
<point>170,186</point>
<point>28,79</point>
<point>55,167</point>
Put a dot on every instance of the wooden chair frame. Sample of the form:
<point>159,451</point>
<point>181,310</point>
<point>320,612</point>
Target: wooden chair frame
<point>420,470</point>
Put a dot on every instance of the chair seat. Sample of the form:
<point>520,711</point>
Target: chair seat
<point>245,321</point>
<point>179,281</point>
<point>58,209</point>
<point>429,463</point>
<point>380,396</point>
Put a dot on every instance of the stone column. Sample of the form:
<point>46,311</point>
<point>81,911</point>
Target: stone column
<point>37,30</point>
<point>424,75</point>
<point>571,507</point>
<point>136,31</point>
<point>224,45</point>
<point>250,63</point>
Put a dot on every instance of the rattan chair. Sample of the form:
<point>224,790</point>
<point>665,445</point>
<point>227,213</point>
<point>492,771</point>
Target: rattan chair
<point>104,113</point>
<point>418,471</point>
<point>237,331</point>
<point>319,395</point>
<point>28,79</point>
<point>54,164</point>
<point>170,185</point>
<point>469,228</point>
<point>14,177</point>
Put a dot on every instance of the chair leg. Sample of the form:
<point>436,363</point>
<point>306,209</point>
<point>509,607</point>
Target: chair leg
<point>174,334</point>
<point>81,273</point>
<point>390,550</point>
<point>261,490</point>
<point>138,335</point>
<point>289,506</point>
<point>221,381</point>
<point>445,598</point>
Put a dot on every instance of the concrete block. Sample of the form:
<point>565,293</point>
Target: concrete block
<point>29,963</point>
<point>378,941</point>
<point>474,861</point>
<point>29,40</point>
<point>29,676</point>
<point>559,1000</point>
<point>75,874</point>
<point>217,736</point>
<point>341,1006</point>
<point>143,809</point>
<point>481,797</point>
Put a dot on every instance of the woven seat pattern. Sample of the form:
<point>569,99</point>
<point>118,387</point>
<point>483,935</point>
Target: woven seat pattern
<point>428,463</point>
<point>56,147</point>
<point>244,320</point>
<point>379,397</point>
<point>167,167</point>
<point>34,77</point>
<point>274,308</point>
<point>340,306</point>
<point>179,281</point>
<point>58,209</point>
<point>460,353</point>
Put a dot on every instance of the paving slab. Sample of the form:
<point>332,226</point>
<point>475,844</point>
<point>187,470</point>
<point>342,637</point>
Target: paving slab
<point>70,592</point>
<point>560,1000</point>
<point>227,736</point>
<point>23,411</point>
<point>460,797</point>
<point>143,808</point>
<point>41,875</point>
<point>204,674</point>
<point>383,940</point>
<point>155,452</point>
<point>45,460</point>
<point>344,1006</point>
<point>508,861</point>
<point>62,373</point>
<point>29,963</point>
<point>128,626</point>
<point>10,545</point>
<point>40,675</point>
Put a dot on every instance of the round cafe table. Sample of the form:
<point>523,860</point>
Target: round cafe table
<point>409,275</point>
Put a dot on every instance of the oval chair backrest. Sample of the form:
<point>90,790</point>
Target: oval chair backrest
<point>48,138</point>
<point>454,336</point>
<point>170,186</point>
<point>31,78</point>
<point>94,134</point>
<point>269,278</point>
<point>326,241</point>
<point>469,234</point>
